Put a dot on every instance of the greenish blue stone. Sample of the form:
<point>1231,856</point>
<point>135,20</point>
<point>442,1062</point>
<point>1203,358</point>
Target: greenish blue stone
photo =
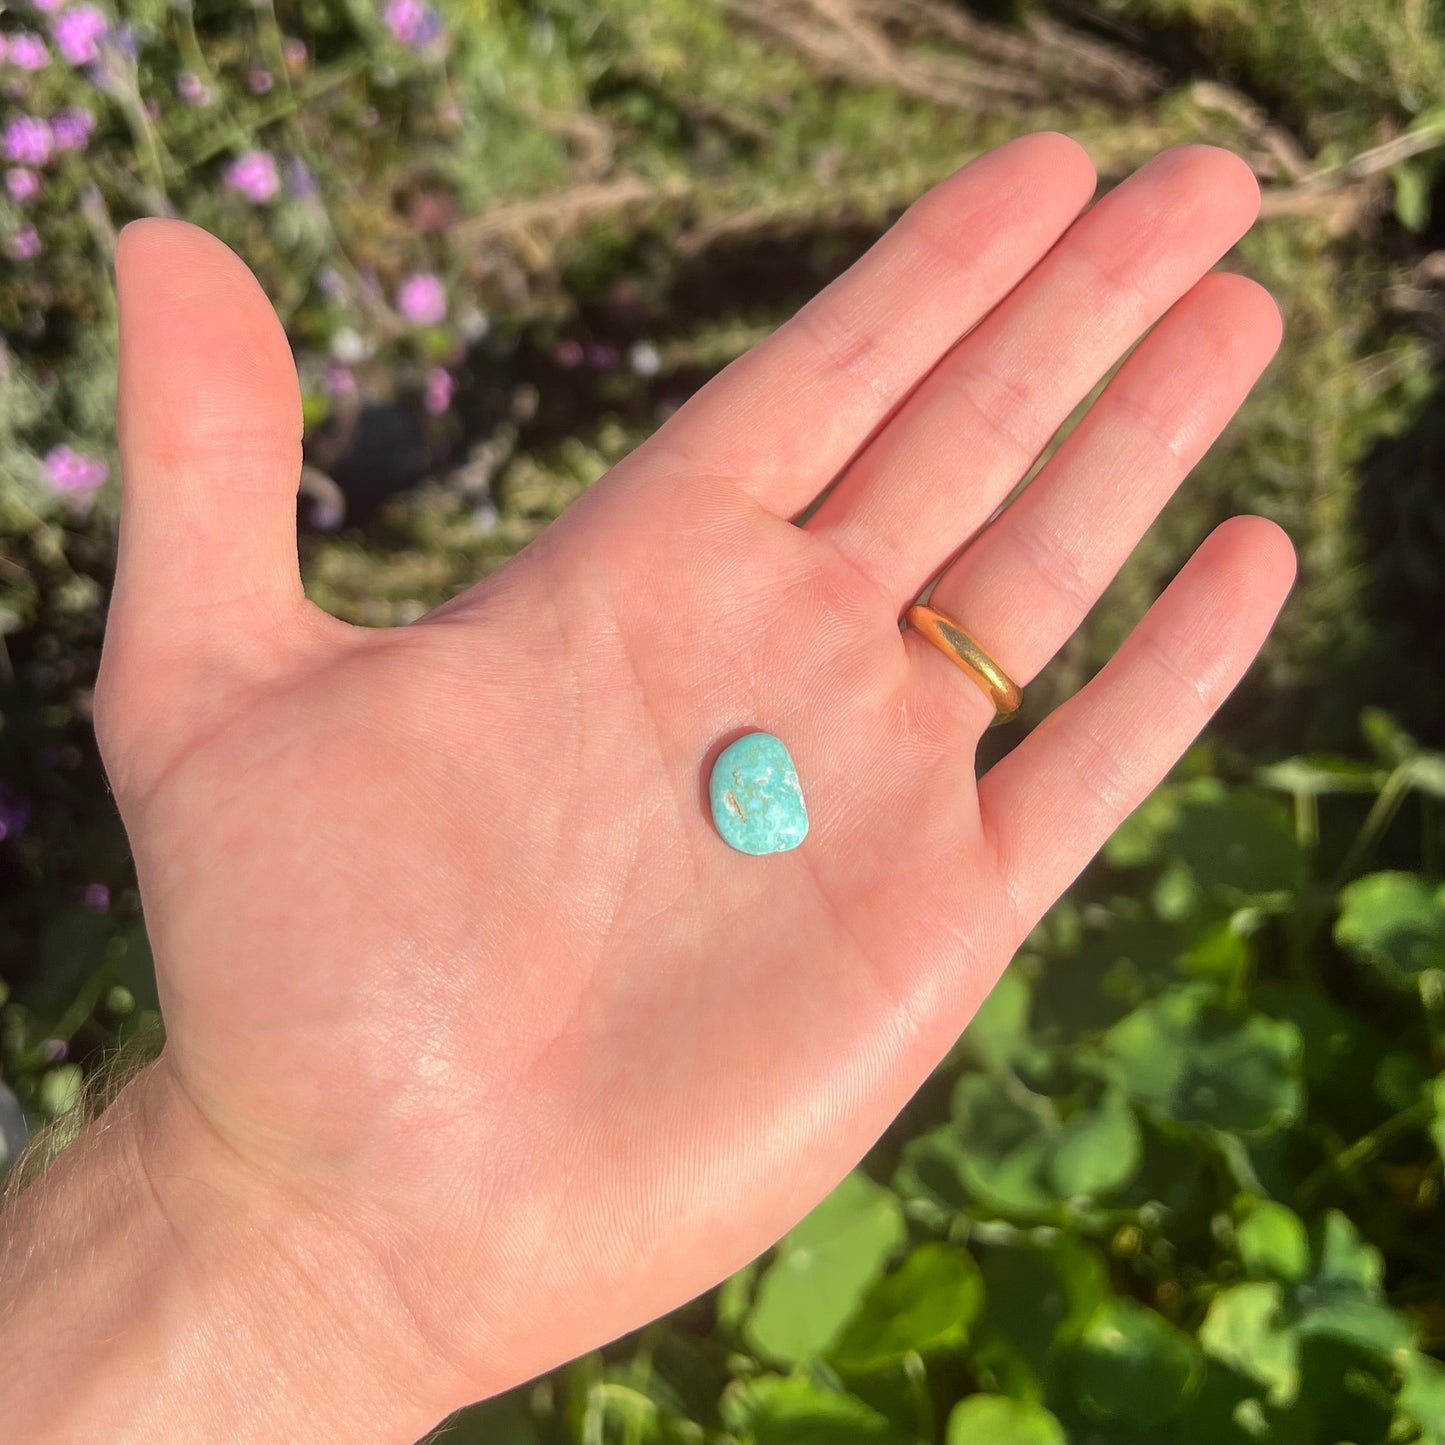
<point>757,802</point>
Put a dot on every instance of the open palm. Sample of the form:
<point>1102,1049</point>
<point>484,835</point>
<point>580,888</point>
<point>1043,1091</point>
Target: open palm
<point>451,954</point>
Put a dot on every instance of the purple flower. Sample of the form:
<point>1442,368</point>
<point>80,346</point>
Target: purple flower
<point>125,40</point>
<point>327,514</point>
<point>71,128</point>
<point>29,140</point>
<point>299,178</point>
<point>49,7</point>
<point>254,175</point>
<point>192,89</point>
<point>603,357</point>
<point>68,470</point>
<point>27,51</point>
<point>96,896</point>
<point>411,22</point>
<point>21,184</point>
<point>14,813</point>
<point>439,390</point>
<point>422,299</point>
<point>78,32</point>
<point>259,80</point>
<point>24,245</point>
<point>339,380</point>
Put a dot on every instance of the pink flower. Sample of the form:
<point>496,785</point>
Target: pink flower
<point>192,89</point>
<point>21,184</point>
<point>78,32</point>
<point>295,53</point>
<point>254,175</point>
<point>29,140</point>
<point>24,245</point>
<point>569,354</point>
<point>422,299</point>
<point>439,390</point>
<point>71,128</point>
<point>14,812</point>
<point>68,470</point>
<point>49,7</point>
<point>27,51</point>
<point>259,80</point>
<point>96,896</point>
<point>339,380</point>
<point>411,22</point>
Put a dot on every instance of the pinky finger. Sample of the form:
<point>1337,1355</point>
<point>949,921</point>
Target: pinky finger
<point>1052,803</point>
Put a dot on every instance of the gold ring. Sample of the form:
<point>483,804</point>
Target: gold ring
<point>951,640</point>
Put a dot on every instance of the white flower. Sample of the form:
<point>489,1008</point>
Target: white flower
<point>644,359</point>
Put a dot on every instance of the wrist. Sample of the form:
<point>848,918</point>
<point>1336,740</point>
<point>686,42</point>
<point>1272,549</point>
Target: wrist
<point>153,1286</point>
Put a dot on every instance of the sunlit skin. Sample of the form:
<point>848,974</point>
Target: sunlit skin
<point>471,1014</point>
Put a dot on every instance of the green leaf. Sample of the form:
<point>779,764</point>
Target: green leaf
<point>1261,1329</point>
<point>1421,1400</point>
<point>930,1174</point>
<point>999,1420</point>
<point>1343,1258</point>
<point>1394,921</point>
<point>1339,1046</point>
<point>1005,1149</point>
<point>1372,1325</point>
<point>1193,1064</point>
<point>822,1269</point>
<point>1242,844</point>
<point>735,1295</point>
<point>1412,195</point>
<point>1437,1126</point>
<point>1321,773</point>
<point>1401,1079</point>
<point>793,1410</point>
<point>998,1035</point>
<point>1273,1242</point>
<point>1390,742</point>
<point>1132,1364</point>
<point>1426,773</point>
<point>59,1089</point>
<point>1243,1330</point>
<point>930,1301</point>
<point>1223,954</point>
<point>1022,1161</point>
<point>1139,839</point>
<point>1038,1298</point>
<point>1098,1150</point>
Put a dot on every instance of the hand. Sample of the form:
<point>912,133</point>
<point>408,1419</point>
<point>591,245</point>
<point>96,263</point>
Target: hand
<point>454,964</point>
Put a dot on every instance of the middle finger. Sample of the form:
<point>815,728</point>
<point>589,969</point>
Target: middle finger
<point>973,429</point>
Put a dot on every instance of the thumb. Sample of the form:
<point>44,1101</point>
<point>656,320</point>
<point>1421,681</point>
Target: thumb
<point>207,582</point>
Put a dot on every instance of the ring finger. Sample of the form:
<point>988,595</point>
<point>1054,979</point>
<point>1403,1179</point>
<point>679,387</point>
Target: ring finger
<point>1029,578</point>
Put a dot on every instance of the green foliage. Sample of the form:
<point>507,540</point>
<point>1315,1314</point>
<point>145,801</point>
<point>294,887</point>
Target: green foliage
<point>1168,1222</point>
<point>822,1270</point>
<point>998,1420</point>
